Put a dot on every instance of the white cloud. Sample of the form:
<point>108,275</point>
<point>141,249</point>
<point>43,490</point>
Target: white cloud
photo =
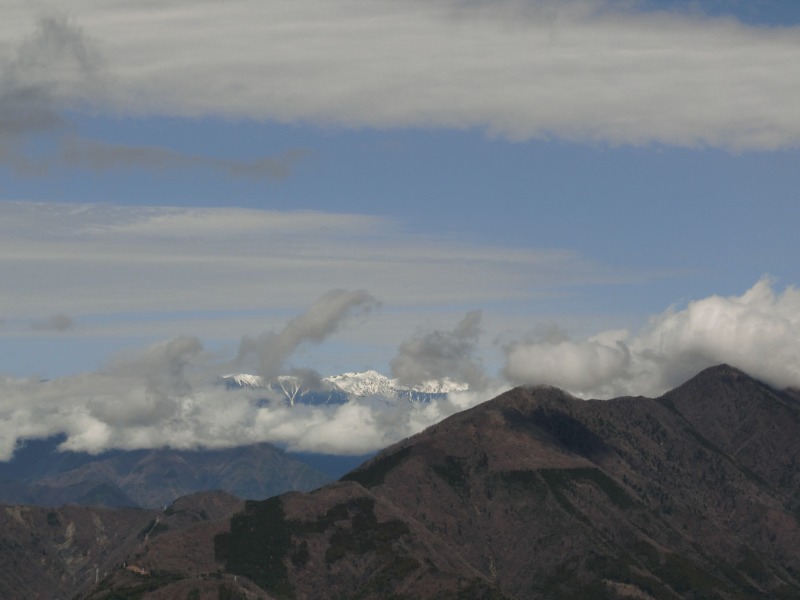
<point>587,70</point>
<point>168,395</point>
<point>121,409</point>
<point>758,332</point>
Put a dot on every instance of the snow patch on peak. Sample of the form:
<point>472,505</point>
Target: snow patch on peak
<point>372,383</point>
<point>243,380</point>
<point>364,384</point>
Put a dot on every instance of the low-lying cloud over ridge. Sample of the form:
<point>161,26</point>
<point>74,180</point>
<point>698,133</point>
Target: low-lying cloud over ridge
<point>168,394</point>
<point>758,332</point>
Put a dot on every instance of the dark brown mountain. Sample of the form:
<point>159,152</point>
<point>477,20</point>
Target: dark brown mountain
<point>48,553</point>
<point>535,494</point>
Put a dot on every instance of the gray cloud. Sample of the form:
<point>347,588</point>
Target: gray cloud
<point>442,354</point>
<point>34,81</point>
<point>44,72</point>
<point>326,315</point>
<point>60,67</point>
<point>57,323</point>
<point>102,156</point>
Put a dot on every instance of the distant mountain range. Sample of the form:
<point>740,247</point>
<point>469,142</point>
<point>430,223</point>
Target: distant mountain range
<point>338,389</point>
<point>41,475</point>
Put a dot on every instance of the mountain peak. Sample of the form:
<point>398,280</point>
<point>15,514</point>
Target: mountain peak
<point>360,384</point>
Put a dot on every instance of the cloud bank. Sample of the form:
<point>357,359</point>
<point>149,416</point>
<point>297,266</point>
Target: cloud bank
<point>168,393</point>
<point>583,70</point>
<point>758,332</point>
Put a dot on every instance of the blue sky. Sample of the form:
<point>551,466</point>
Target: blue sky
<point>606,182</point>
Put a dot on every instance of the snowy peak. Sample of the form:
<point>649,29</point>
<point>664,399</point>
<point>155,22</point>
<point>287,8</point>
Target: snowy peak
<point>367,383</point>
<point>243,380</point>
<point>372,383</point>
<point>337,388</point>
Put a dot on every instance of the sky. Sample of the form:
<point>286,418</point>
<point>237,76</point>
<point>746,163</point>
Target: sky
<point>595,194</point>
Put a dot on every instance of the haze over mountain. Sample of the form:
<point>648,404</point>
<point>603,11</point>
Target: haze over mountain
<point>41,475</point>
<point>535,494</point>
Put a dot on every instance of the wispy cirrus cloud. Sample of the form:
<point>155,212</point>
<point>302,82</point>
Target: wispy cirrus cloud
<point>102,259</point>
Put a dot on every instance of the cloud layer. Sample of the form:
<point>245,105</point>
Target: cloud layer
<point>167,394</point>
<point>585,70</point>
<point>94,259</point>
<point>758,332</point>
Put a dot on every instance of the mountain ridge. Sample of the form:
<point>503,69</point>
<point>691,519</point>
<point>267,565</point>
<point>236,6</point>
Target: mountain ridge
<point>627,497</point>
<point>535,495</point>
<point>339,388</point>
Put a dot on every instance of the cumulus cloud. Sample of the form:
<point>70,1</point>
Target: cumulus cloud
<point>580,367</point>
<point>442,354</point>
<point>270,350</point>
<point>164,396</point>
<point>167,394</point>
<point>585,70</point>
<point>758,332</point>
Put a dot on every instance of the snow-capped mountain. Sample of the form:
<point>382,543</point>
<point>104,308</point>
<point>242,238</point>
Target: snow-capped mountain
<point>288,388</point>
<point>337,389</point>
<point>372,383</point>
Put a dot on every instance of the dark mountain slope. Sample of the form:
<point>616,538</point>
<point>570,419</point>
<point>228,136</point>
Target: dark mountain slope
<point>543,495</point>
